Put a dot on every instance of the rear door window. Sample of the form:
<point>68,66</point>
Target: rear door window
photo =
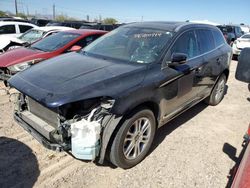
<point>8,29</point>
<point>186,44</point>
<point>205,40</point>
<point>24,28</point>
<point>218,38</point>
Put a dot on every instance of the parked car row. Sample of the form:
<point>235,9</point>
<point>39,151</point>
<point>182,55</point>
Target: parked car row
<point>29,37</point>
<point>231,32</point>
<point>107,100</point>
<point>72,24</point>
<point>17,60</point>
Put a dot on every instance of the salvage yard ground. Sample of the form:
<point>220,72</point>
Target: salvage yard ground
<point>187,152</point>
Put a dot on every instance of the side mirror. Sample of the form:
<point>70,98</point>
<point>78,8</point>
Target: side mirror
<point>178,59</point>
<point>75,48</point>
<point>243,67</point>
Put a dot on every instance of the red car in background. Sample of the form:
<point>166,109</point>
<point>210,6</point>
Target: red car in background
<point>242,177</point>
<point>17,60</point>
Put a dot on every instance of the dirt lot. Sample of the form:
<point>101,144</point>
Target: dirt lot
<point>187,152</point>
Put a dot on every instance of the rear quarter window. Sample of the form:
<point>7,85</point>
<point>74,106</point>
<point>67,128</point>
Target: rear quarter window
<point>218,38</point>
<point>205,40</point>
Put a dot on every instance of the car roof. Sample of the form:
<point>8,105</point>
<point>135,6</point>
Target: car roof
<point>170,26</point>
<point>86,31</point>
<point>51,28</point>
<point>11,23</point>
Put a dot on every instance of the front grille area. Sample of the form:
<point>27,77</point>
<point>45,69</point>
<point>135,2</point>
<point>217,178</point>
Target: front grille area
<point>42,112</point>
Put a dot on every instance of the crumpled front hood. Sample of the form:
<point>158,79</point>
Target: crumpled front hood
<point>74,77</point>
<point>5,40</point>
<point>18,55</point>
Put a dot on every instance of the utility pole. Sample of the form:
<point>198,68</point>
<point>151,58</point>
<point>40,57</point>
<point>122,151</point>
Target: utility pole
<point>54,12</point>
<point>27,10</point>
<point>16,7</point>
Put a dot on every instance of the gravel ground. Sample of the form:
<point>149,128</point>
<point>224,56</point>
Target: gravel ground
<point>187,152</point>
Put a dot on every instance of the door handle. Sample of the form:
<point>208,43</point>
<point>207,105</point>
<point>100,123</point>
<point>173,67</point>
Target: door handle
<point>218,60</point>
<point>198,70</point>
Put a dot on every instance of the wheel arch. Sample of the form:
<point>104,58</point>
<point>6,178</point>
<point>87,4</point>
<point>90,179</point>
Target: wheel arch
<point>153,106</point>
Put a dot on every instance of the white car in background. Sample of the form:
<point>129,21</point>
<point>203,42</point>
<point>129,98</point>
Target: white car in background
<point>245,29</point>
<point>29,37</point>
<point>14,29</point>
<point>240,43</point>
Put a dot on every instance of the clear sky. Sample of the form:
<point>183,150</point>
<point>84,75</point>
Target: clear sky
<point>220,11</point>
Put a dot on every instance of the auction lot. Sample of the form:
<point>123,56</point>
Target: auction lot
<point>187,152</point>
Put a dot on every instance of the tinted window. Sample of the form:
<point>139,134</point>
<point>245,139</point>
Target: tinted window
<point>54,42</point>
<point>7,29</point>
<point>24,28</point>
<point>186,44</point>
<point>229,29</point>
<point>238,30</point>
<point>218,38</point>
<point>205,40</point>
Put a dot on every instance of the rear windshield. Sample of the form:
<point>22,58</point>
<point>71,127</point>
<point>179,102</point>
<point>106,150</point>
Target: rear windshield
<point>54,42</point>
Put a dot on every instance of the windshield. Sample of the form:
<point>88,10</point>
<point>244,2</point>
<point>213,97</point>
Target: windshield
<point>31,35</point>
<point>54,42</point>
<point>140,45</point>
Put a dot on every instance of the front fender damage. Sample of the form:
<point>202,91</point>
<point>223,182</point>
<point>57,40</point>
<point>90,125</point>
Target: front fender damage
<point>85,136</point>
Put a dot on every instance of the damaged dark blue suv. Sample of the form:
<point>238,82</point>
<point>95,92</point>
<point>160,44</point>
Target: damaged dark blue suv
<point>121,88</point>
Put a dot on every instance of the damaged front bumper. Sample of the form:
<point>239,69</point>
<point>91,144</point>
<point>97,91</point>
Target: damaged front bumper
<point>38,136</point>
<point>44,133</point>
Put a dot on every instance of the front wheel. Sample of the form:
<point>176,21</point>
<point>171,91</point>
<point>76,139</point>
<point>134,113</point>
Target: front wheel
<point>218,91</point>
<point>133,140</point>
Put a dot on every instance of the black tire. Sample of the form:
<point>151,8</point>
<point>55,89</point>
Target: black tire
<point>127,130</point>
<point>218,91</point>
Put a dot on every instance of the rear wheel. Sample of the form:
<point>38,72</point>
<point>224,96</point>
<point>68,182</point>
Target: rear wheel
<point>218,91</point>
<point>133,140</point>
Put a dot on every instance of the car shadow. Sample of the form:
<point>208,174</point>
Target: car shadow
<point>231,151</point>
<point>18,166</point>
<point>169,127</point>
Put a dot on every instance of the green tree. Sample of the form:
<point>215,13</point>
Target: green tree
<point>109,21</point>
<point>2,13</point>
<point>62,18</point>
